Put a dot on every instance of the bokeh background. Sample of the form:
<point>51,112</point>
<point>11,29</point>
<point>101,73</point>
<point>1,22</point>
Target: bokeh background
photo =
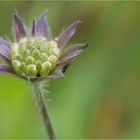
<point>100,96</point>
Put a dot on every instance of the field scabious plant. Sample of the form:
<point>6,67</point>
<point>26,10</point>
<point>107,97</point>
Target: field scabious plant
<point>35,56</point>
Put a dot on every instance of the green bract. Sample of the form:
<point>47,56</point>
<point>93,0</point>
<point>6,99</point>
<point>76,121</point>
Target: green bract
<point>34,56</point>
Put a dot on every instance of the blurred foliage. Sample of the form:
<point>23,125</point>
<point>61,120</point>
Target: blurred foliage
<point>100,96</point>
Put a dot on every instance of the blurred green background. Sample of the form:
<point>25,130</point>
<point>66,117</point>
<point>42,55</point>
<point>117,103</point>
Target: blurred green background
<point>100,96</point>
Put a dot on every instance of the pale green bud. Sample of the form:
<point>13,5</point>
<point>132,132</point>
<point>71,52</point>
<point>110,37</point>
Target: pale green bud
<point>18,57</point>
<point>30,46</point>
<point>52,59</point>
<point>36,54</point>
<point>22,44</point>
<point>14,50</point>
<point>14,47</point>
<point>38,65</point>
<point>45,68</point>
<point>31,70</point>
<point>55,51</point>
<point>53,44</point>
<point>46,46</point>
<point>26,53</point>
<point>22,49</point>
<point>30,60</point>
<point>42,47</point>
<point>23,65</point>
<point>16,65</point>
<point>22,68</point>
<point>44,56</point>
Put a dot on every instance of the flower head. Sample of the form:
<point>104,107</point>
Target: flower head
<point>34,55</point>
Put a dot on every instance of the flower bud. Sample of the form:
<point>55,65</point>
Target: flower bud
<point>21,49</point>
<point>26,53</point>
<point>44,56</point>
<point>30,46</point>
<point>55,51</point>
<point>53,44</point>
<point>36,54</point>
<point>16,65</point>
<point>14,50</point>
<point>52,59</point>
<point>31,70</point>
<point>23,66</point>
<point>38,65</point>
<point>19,57</point>
<point>45,68</point>
<point>42,47</point>
<point>30,60</point>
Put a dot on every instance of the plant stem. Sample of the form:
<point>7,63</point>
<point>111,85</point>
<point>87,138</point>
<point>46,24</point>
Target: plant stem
<point>43,110</point>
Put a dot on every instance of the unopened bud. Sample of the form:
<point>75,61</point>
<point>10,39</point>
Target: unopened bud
<point>14,50</point>
<point>44,56</point>
<point>16,64</point>
<point>55,51</point>
<point>30,60</point>
<point>52,59</point>
<point>31,70</point>
<point>45,68</point>
<point>53,44</point>
<point>14,46</point>
<point>38,65</point>
<point>36,54</point>
<point>21,49</point>
<point>26,53</point>
<point>23,65</point>
<point>19,57</point>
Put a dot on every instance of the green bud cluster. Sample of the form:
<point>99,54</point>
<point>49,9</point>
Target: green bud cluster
<point>34,56</point>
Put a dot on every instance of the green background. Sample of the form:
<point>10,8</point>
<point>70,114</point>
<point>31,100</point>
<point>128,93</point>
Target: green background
<point>100,96</point>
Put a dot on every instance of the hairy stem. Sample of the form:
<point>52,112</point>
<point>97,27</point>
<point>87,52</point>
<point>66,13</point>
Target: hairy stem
<point>43,110</point>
